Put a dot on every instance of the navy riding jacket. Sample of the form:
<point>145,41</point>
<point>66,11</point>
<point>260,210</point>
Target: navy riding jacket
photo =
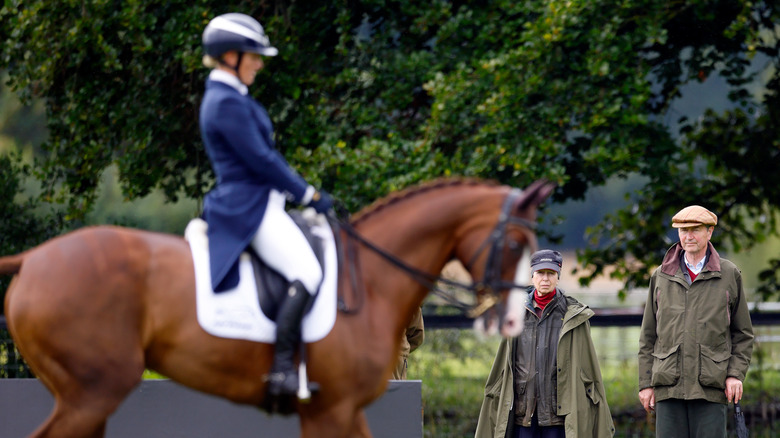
<point>238,136</point>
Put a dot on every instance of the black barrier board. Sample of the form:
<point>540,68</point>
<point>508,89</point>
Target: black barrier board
<point>165,409</point>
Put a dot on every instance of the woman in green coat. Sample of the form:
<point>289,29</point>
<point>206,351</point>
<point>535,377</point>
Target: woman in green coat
<point>568,397</point>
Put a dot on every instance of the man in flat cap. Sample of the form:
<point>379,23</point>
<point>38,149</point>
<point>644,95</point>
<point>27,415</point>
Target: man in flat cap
<point>696,339</point>
<point>547,383</point>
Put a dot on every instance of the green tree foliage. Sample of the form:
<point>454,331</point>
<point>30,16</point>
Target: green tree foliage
<point>368,96</point>
<point>724,160</point>
<point>23,222</point>
<point>120,81</point>
<point>20,125</point>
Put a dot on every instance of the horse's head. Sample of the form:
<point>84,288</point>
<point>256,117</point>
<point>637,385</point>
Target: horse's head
<point>500,264</point>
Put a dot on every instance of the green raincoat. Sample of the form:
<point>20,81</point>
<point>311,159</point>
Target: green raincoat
<point>581,395</point>
<point>694,335</point>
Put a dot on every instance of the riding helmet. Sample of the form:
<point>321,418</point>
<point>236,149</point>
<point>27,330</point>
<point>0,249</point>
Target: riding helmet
<point>235,31</point>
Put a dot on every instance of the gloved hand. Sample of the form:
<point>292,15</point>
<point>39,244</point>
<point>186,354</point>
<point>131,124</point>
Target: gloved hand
<point>321,202</point>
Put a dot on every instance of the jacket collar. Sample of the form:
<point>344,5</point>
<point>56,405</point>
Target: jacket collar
<point>673,259</point>
<point>228,79</point>
<point>576,315</point>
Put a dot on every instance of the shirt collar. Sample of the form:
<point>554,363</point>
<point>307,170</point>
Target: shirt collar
<point>699,266</point>
<point>227,78</point>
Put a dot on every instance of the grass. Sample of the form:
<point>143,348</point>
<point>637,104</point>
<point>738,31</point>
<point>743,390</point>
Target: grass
<point>152,375</point>
<point>453,366</point>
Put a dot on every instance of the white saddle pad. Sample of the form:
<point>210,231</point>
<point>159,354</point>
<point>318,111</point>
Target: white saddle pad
<point>236,313</point>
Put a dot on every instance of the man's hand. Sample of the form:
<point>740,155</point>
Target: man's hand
<point>733,389</point>
<point>647,397</point>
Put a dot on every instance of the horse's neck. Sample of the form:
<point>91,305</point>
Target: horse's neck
<point>423,233</point>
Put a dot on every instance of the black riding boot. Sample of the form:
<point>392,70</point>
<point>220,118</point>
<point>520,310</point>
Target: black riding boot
<point>283,378</point>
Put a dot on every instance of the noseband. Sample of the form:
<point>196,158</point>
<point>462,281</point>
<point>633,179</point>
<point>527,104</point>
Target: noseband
<point>491,283</point>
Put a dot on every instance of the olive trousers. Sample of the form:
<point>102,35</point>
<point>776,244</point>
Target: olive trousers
<point>675,418</point>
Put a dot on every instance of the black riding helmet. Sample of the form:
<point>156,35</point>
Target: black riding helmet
<point>235,31</point>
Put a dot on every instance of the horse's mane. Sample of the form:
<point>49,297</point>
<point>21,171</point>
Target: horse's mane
<point>412,191</point>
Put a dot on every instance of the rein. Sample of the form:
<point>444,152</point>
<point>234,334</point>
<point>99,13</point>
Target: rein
<point>491,282</point>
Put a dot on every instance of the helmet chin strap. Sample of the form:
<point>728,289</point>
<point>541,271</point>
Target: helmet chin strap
<point>234,68</point>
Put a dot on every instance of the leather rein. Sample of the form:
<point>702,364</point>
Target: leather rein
<point>491,282</point>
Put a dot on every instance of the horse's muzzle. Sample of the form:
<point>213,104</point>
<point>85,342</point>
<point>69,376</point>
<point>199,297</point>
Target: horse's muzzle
<point>513,317</point>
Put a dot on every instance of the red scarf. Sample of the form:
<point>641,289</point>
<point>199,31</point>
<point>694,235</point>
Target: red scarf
<point>545,300</point>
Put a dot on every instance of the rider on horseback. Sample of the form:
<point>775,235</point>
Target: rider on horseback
<point>247,207</point>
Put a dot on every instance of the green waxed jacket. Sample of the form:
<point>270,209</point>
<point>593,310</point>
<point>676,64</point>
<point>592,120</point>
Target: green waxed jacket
<point>581,395</point>
<point>694,334</point>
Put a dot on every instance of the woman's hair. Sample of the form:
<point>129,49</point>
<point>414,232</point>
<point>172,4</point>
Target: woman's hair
<point>210,61</point>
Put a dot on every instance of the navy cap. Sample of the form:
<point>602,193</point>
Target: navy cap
<point>546,259</point>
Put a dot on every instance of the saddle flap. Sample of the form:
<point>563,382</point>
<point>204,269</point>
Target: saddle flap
<point>271,285</point>
<point>236,313</point>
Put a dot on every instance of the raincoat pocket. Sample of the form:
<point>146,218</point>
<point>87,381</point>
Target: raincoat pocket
<point>494,389</point>
<point>491,405</point>
<point>590,388</point>
<point>520,397</point>
<point>714,363</point>
<point>666,367</point>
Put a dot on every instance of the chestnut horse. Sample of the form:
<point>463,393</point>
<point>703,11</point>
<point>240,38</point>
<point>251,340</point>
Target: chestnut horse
<point>91,309</point>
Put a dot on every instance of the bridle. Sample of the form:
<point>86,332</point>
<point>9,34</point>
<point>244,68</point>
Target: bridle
<point>491,283</point>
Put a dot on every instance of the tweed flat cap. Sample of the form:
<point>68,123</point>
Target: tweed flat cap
<point>692,216</point>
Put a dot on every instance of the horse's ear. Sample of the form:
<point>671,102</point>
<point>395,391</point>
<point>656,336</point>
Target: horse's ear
<point>535,194</point>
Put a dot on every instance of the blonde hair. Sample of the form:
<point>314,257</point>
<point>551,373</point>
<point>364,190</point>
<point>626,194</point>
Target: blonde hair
<point>210,61</point>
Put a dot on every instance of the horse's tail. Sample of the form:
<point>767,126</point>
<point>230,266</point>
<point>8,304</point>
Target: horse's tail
<point>11,264</point>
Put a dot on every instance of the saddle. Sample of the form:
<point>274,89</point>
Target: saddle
<point>271,285</point>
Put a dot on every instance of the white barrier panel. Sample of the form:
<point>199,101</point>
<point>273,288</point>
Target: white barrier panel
<point>164,409</point>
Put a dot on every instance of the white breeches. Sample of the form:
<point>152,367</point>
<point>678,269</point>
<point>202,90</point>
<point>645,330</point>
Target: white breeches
<point>282,245</point>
